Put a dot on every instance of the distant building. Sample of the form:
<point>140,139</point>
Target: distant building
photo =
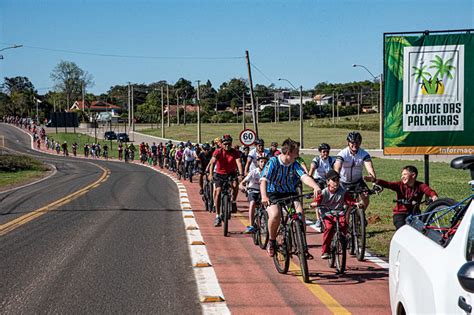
<point>95,107</point>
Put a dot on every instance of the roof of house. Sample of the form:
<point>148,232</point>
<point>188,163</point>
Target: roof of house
<point>94,105</point>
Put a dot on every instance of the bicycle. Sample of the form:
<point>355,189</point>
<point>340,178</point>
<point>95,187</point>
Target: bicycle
<point>338,247</point>
<point>291,237</point>
<point>189,169</point>
<point>207,193</point>
<point>443,216</point>
<point>260,223</point>
<point>357,222</point>
<point>226,202</point>
<point>180,169</point>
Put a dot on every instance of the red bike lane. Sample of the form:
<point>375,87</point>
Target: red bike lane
<point>251,284</point>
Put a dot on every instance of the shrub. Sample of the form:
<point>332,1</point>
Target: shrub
<point>15,163</point>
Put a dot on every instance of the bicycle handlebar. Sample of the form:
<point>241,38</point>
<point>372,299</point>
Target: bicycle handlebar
<point>376,189</point>
<point>407,202</point>
<point>307,196</point>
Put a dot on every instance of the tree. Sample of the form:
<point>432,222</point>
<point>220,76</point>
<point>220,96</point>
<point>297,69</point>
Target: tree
<point>69,79</point>
<point>20,96</point>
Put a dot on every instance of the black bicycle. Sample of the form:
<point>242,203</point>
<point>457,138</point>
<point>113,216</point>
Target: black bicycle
<point>207,193</point>
<point>226,202</point>
<point>357,222</point>
<point>337,249</point>
<point>189,170</point>
<point>180,169</point>
<point>291,236</point>
<point>260,223</point>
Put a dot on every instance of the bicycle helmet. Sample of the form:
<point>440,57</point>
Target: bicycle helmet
<point>324,146</point>
<point>263,157</point>
<point>354,136</point>
<point>226,138</point>
<point>259,142</point>
<point>275,144</point>
<point>206,147</point>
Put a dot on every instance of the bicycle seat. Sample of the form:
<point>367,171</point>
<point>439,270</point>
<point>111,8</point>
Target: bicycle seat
<point>463,162</point>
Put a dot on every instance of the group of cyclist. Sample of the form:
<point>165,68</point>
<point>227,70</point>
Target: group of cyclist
<point>267,175</point>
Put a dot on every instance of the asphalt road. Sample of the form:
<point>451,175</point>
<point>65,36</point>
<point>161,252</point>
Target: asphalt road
<point>118,248</point>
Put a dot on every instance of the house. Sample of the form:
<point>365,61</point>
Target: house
<point>95,107</point>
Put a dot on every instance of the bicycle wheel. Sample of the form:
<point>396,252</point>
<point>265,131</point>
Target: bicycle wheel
<point>332,254</point>
<point>190,172</point>
<point>205,196</point>
<point>281,259</point>
<point>263,228</point>
<point>300,248</point>
<point>340,253</point>
<point>256,233</point>
<point>434,210</point>
<point>225,204</point>
<point>359,234</point>
<point>350,234</point>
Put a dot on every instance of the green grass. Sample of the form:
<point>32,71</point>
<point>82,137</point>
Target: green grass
<point>447,182</point>
<point>315,131</point>
<point>81,140</point>
<point>18,169</point>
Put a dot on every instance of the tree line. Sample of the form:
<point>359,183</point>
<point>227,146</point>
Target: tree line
<point>18,96</point>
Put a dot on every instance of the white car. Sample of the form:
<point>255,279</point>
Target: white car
<point>428,278</point>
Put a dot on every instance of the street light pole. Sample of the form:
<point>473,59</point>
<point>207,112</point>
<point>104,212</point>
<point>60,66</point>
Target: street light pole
<point>198,113</point>
<point>380,102</point>
<point>301,110</point>
<point>10,47</point>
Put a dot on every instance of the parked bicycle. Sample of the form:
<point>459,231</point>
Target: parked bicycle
<point>291,237</point>
<point>357,222</point>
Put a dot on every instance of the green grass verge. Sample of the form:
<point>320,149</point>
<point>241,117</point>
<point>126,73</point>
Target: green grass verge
<point>15,178</point>
<point>18,169</point>
<point>81,140</point>
<point>315,131</point>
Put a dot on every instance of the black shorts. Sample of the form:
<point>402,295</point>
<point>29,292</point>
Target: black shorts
<point>399,219</point>
<point>274,196</point>
<point>360,184</point>
<point>220,179</point>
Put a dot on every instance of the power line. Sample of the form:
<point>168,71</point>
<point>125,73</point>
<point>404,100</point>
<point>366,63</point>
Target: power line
<point>263,74</point>
<point>133,56</point>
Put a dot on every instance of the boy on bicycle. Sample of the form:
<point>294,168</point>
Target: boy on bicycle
<point>252,180</point>
<point>279,179</point>
<point>408,189</point>
<point>333,197</point>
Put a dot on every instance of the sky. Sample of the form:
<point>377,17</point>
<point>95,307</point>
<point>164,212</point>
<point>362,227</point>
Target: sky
<point>305,42</point>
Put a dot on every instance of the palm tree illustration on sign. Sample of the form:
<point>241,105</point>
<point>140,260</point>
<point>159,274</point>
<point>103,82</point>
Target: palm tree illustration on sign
<point>433,84</point>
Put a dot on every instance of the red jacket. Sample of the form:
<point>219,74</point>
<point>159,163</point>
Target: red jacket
<point>403,191</point>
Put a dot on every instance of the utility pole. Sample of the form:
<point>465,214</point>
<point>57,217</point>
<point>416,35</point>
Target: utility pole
<point>258,108</point>
<point>133,109</point>
<point>243,111</point>
<point>162,113</point>
<point>254,114</point>
<point>184,103</point>
<point>333,108</point>
<point>168,102</point>
<point>129,111</point>
<point>198,113</point>
<point>177,108</point>
<point>301,117</point>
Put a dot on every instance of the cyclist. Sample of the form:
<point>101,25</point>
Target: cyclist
<point>169,145</point>
<point>254,154</point>
<point>154,152</point>
<point>408,189</point>
<point>227,162</point>
<point>120,151</point>
<point>252,180</point>
<point>280,179</point>
<point>274,149</point>
<point>106,151</point>
<point>350,163</point>
<point>189,158</point>
<point>320,165</point>
<point>74,148</point>
<point>178,157</point>
<point>333,197</point>
<point>172,161</point>
<point>64,147</point>
<point>203,159</point>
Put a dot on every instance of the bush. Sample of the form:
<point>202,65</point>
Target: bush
<point>15,163</point>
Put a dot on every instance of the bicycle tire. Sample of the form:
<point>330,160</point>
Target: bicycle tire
<point>359,242</point>
<point>225,204</point>
<point>439,204</point>
<point>263,229</point>
<point>299,236</point>
<point>332,254</point>
<point>350,233</point>
<point>340,251</point>
<point>281,258</point>
<point>256,233</point>
<point>205,197</point>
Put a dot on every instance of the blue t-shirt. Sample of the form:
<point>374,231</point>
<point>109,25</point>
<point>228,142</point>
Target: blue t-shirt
<point>280,177</point>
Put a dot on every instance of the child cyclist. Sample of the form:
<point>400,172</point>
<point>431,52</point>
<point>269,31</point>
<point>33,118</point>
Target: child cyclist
<point>252,180</point>
<point>333,197</point>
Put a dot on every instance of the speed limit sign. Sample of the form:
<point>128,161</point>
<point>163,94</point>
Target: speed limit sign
<point>247,137</point>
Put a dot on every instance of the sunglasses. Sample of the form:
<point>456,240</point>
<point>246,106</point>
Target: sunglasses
<point>325,151</point>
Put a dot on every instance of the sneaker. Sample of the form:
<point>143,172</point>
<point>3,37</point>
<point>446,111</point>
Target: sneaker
<point>271,248</point>
<point>217,221</point>
<point>234,207</point>
<point>201,192</point>
<point>308,256</point>
<point>325,256</point>
<point>249,230</point>
<point>318,226</point>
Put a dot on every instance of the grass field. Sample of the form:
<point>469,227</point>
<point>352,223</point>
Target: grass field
<point>315,131</point>
<point>16,178</point>
<point>446,181</point>
<point>19,169</point>
<point>81,140</point>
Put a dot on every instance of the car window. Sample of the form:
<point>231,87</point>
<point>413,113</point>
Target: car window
<point>470,242</point>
